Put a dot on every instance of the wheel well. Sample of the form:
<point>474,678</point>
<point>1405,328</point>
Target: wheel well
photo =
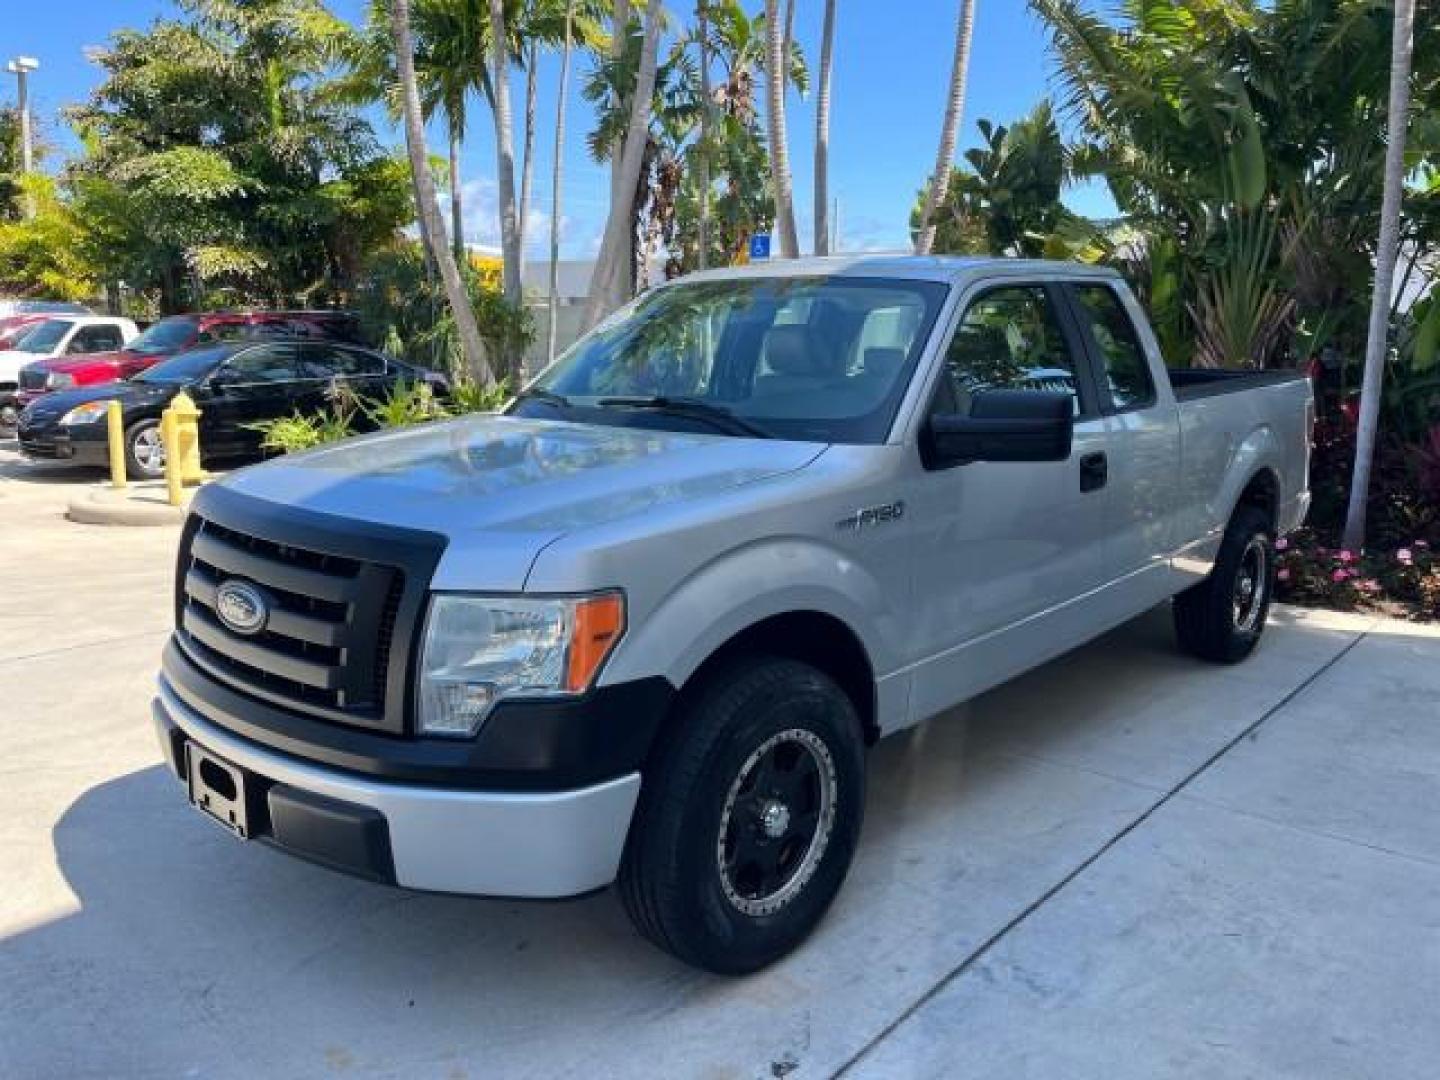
<point>1263,493</point>
<point>814,638</point>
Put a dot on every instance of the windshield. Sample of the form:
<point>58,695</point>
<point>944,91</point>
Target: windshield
<point>185,368</point>
<point>822,359</point>
<point>167,335</point>
<point>44,337</point>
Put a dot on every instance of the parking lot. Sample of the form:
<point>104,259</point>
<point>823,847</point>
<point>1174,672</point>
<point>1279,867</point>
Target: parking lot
<point>1127,864</point>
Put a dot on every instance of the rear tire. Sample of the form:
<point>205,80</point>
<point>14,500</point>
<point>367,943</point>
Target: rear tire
<point>144,451</point>
<point>1222,618</point>
<point>748,817</point>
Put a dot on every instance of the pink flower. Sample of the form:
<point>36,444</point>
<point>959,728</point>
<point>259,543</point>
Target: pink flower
<point>1346,556</point>
<point>1339,576</point>
<point>1282,544</point>
<point>1422,545</point>
<point>1282,575</point>
<point>1405,556</point>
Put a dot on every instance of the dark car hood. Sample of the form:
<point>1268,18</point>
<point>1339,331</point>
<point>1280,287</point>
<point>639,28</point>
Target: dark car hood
<point>130,395</point>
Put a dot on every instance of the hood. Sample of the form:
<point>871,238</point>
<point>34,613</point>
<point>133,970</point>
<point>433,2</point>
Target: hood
<point>75,365</point>
<point>501,488</point>
<point>128,394</point>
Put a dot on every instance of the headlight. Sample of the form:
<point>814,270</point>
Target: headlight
<point>481,649</point>
<point>58,380</point>
<point>88,413</point>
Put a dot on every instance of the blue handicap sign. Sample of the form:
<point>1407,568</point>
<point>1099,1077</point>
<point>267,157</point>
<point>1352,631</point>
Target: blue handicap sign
<point>760,246</point>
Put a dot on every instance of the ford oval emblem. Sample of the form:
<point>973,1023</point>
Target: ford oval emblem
<point>241,606</point>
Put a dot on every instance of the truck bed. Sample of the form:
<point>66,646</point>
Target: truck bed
<point>1192,383</point>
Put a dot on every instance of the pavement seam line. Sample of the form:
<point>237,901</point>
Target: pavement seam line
<point>1035,905</point>
<point>82,645</point>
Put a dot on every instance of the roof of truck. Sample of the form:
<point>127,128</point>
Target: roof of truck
<point>946,268</point>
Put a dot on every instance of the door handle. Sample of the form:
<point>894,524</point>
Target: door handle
<point>1094,472</point>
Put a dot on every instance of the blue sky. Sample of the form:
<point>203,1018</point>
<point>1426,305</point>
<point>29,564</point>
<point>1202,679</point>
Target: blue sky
<point>891,72</point>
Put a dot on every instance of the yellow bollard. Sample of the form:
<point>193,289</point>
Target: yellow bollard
<point>116,425</point>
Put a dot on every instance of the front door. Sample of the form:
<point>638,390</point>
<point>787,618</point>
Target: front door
<point>1006,552</point>
<point>254,385</point>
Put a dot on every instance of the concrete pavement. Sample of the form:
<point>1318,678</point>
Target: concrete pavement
<point>1126,864</point>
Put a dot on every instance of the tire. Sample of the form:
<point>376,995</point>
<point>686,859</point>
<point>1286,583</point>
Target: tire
<point>1222,618</point>
<point>144,452</point>
<point>726,879</point>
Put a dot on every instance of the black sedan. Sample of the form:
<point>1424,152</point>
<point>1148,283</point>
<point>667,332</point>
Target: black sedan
<point>235,385</point>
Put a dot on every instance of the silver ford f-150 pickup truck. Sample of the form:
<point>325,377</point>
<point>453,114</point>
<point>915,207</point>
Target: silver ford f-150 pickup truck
<point>643,626</point>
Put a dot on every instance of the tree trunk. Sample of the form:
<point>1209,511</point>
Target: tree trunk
<point>1387,253</point>
<point>702,21</point>
<point>527,156</point>
<point>505,164</point>
<point>564,94</point>
<point>428,203</point>
<point>940,182</point>
<point>620,192</point>
<point>775,67</point>
<point>457,209</point>
<point>608,287</point>
<point>822,134</point>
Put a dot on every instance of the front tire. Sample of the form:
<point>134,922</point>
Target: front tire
<point>144,451</point>
<point>748,817</point>
<point>1222,618</point>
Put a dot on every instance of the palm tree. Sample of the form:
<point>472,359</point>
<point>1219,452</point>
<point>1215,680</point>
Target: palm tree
<point>954,110</point>
<point>776,66</point>
<point>822,134</point>
<point>1386,255</point>
<point>504,152</point>
<point>609,285</point>
<point>562,98</point>
<point>707,103</point>
<point>427,203</point>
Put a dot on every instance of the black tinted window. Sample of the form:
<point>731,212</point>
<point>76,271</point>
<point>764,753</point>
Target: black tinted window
<point>264,363</point>
<point>329,361</point>
<point>90,339</point>
<point>1126,368</point>
<point>1009,339</point>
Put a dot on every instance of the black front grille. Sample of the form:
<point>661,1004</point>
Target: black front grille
<point>336,615</point>
<point>33,378</point>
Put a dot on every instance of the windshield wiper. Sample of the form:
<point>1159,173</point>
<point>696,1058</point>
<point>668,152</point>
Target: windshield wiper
<point>693,408</point>
<point>549,397</point>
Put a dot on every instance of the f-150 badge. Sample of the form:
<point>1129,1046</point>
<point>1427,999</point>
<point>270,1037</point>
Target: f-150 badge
<point>870,516</point>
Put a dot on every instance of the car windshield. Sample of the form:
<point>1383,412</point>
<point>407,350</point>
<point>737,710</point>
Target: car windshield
<point>185,368</point>
<point>44,337</point>
<point>167,335</point>
<point>823,359</point>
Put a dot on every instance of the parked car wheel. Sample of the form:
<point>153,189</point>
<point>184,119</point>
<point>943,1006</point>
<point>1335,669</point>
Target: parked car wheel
<point>1222,618</point>
<point>749,819</point>
<point>144,451</point>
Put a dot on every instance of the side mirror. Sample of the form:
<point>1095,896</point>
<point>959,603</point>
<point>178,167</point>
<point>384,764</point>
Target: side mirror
<point>1003,425</point>
<point>219,379</point>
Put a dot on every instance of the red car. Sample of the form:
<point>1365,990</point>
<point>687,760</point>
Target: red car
<point>175,334</point>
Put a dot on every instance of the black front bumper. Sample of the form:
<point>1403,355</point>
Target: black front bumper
<point>51,442</point>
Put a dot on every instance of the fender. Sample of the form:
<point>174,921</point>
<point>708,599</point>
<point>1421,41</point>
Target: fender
<point>753,582</point>
<point>1259,451</point>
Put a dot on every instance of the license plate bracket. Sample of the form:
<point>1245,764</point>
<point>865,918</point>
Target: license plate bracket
<point>217,789</point>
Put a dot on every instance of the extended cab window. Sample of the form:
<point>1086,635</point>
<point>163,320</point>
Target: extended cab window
<point>1127,370</point>
<point>94,339</point>
<point>1009,339</point>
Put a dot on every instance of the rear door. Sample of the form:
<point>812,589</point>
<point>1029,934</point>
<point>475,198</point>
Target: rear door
<point>1004,548</point>
<point>256,384</point>
<point>325,367</point>
<point>1145,445</point>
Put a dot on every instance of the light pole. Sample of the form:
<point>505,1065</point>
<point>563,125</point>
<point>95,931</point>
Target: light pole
<point>21,67</point>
